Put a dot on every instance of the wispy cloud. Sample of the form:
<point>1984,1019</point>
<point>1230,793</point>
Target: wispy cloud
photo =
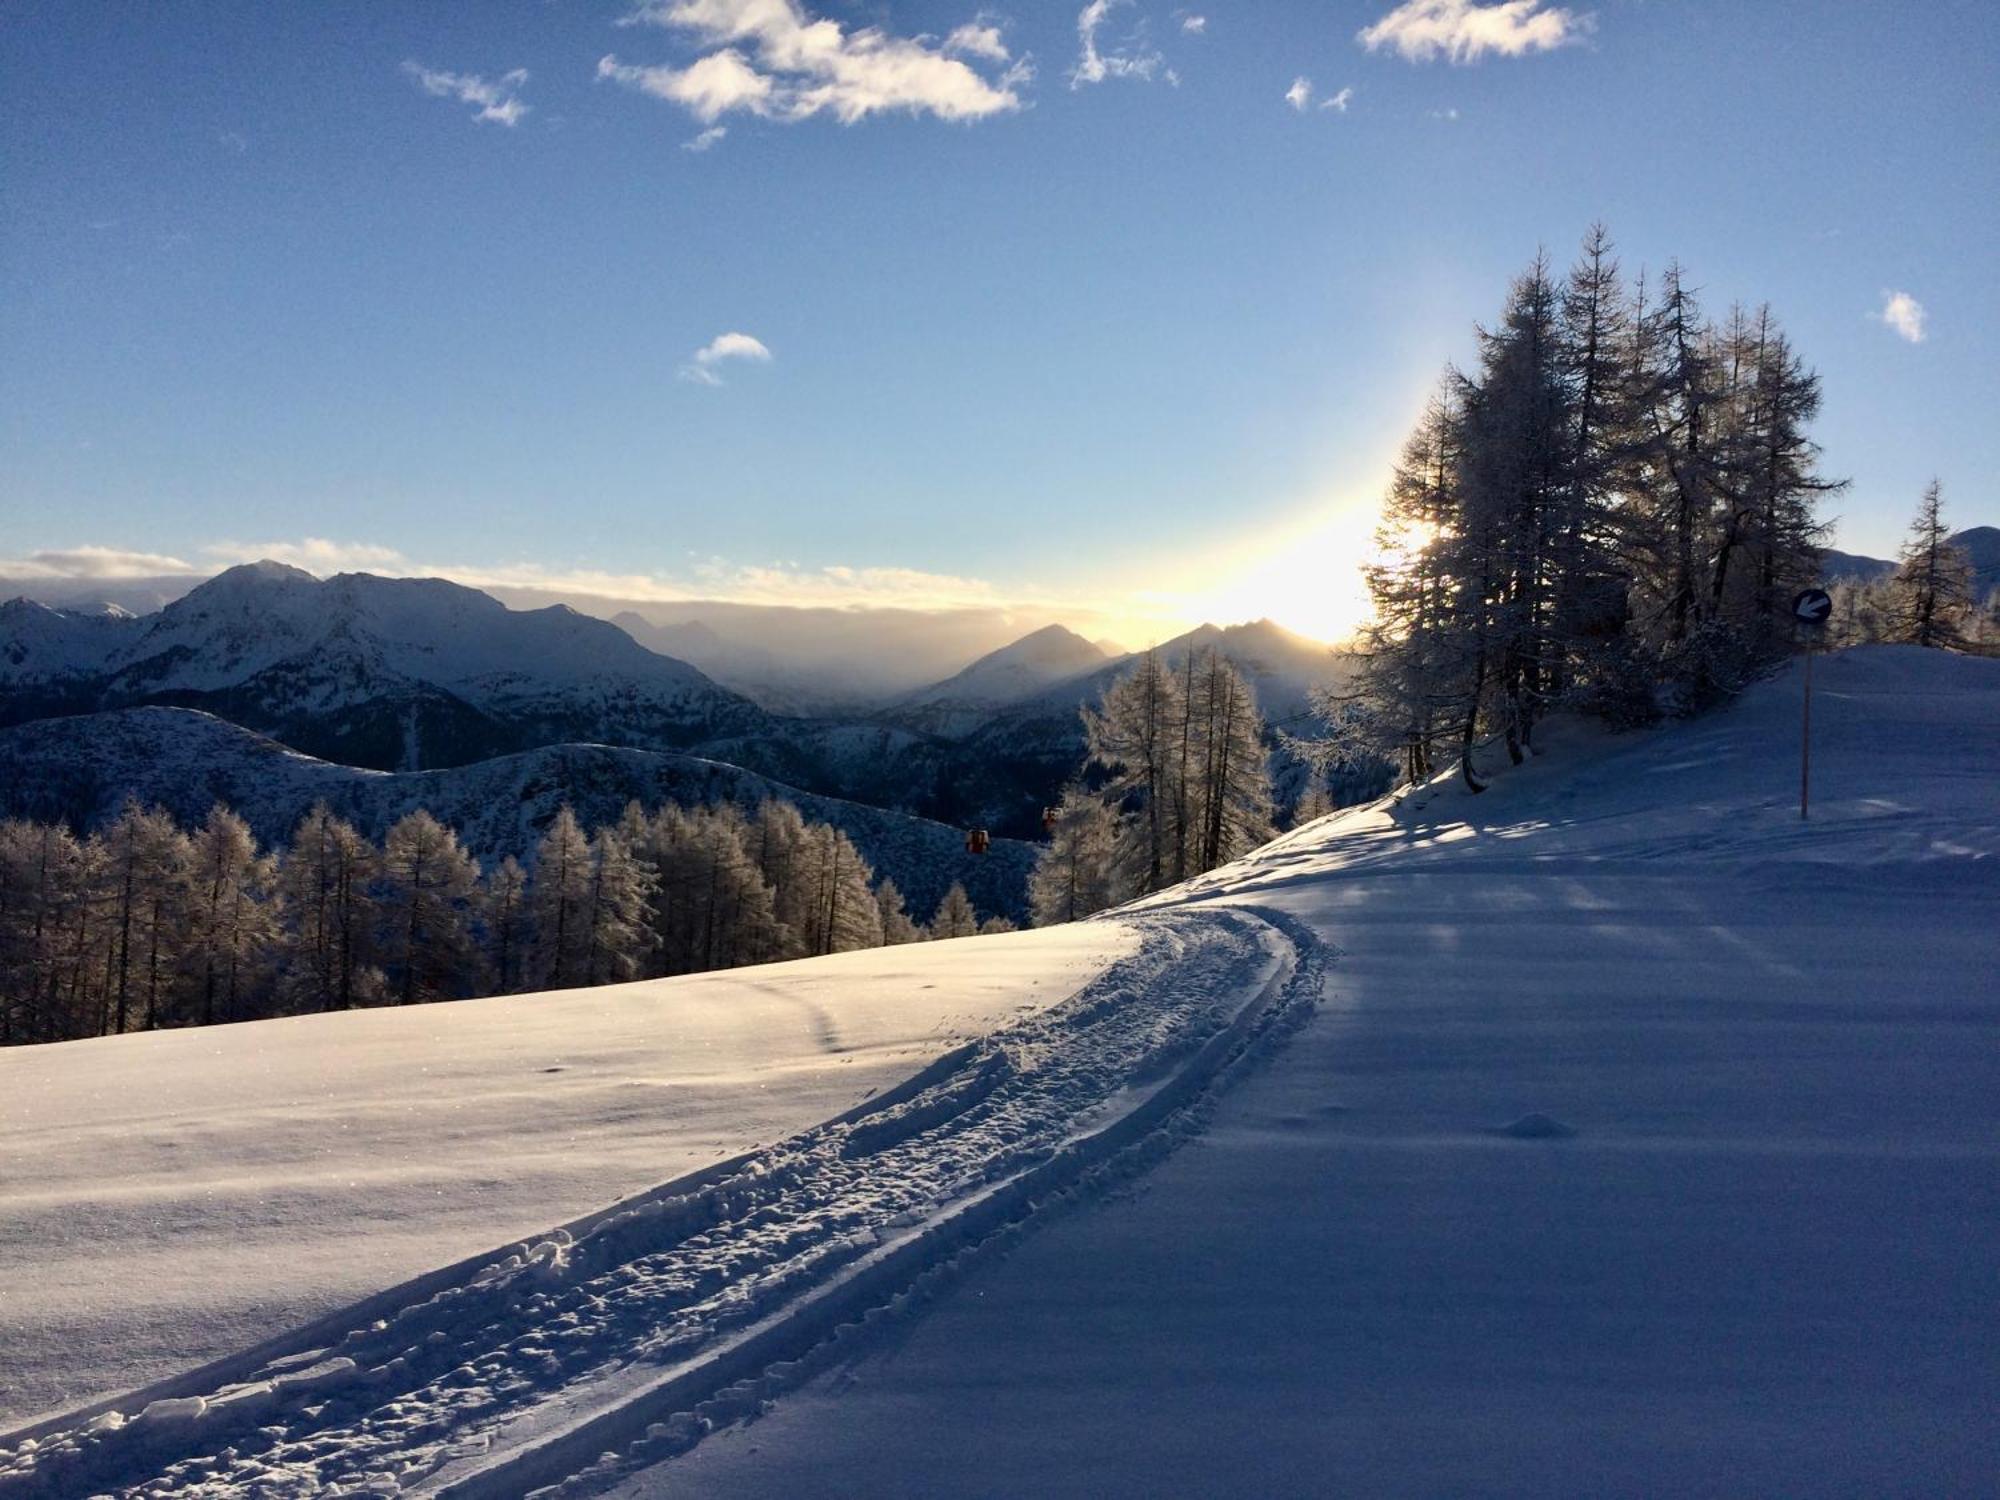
<point>723,347</point>
<point>91,562</point>
<point>772,60</point>
<point>1338,102</point>
<point>706,139</point>
<point>1300,94</point>
<point>497,98</point>
<point>316,554</point>
<point>1904,316</point>
<point>1193,25</point>
<point>1132,57</point>
<point>1463,31</point>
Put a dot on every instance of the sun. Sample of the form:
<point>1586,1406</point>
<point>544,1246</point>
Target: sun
<point>1307,579</point>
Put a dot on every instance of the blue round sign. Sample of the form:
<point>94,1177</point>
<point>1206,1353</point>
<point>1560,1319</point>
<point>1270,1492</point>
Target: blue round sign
<point>1812,607</point>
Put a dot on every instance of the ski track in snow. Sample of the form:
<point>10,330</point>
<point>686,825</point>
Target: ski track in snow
<point>527,1368</point>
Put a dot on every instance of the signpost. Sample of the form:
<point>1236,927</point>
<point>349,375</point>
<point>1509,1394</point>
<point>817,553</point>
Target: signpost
<point>1811,609</point>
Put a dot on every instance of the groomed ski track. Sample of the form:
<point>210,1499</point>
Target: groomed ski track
<point>622,1332</point>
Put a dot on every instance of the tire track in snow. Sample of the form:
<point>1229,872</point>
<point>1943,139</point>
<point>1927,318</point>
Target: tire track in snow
<point>525,1369</point>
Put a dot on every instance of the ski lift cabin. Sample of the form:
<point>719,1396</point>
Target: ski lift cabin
<point>977,840</point>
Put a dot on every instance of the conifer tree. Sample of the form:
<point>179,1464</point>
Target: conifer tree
<point>1930,596</point>
<point>955,917</point>
<point>504,918</point>
<point>428,883</point>
<point>1131,735</point>
<point>233,924</point>
<point>560,897</point>
<point>897,928</point>
<point>1072,873</point>
<point>326,877</point>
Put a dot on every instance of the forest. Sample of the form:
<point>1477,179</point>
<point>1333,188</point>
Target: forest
<point>144,924</point>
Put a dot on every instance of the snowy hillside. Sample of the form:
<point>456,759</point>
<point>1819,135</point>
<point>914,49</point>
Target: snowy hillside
<point>192,1193</point>
<point>1609,1132</point>
<point>401,673</point>
<point>80,769</point>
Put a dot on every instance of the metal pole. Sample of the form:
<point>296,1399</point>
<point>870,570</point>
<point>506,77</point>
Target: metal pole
<point>1805,740</point>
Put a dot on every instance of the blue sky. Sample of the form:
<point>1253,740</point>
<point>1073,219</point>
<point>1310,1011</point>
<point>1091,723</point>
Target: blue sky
<point>1134,337</point>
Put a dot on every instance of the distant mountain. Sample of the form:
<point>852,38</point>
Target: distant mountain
<point>1982,545</point>
<point>1003,770</point>
<point>403,673</point>
<point>1979,543</point>
<point>81,768</point>
<point>1051,655</point>
<point>1837,567</point>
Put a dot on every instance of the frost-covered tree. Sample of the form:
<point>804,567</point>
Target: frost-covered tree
<point>1930,597</point>
<point>428,884</point>
<point>844,916</point>
<point>1131,735</point>
<point>147,888</point>
<point>896,924</point>
<point>232,921</point>
<point>563,877</point>
<point>326,877</point>
<point>621,888</point>
<point>955,917</point>
<point>505,921</point>
<point>1072,874</point>
<point>1233,791</point>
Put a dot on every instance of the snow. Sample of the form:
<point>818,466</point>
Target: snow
<point>1646,1140</point>
<point>1761,1263</point>
<point>169,1198</point>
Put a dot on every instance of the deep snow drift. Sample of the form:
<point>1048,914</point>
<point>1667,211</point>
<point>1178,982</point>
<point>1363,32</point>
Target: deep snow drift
<point>1647,1141</point>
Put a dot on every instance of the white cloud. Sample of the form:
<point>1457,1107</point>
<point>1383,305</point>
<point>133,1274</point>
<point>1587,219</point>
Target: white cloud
<point>91,562</point>
<point>772,60</point>
<point>706,139</point>
<point>1464,31</point>
<point>316,554</point>
<point>1133,58</point>
<point>1338,102</point>
<point>978,39</point>
<point>497,99</point>
<point>724,346</point>
<point>1300,94</point>
<point>1194,25</point>
<point>1904,315</point>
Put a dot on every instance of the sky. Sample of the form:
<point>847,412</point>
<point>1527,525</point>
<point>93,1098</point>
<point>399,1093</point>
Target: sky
<point>1117,310</point>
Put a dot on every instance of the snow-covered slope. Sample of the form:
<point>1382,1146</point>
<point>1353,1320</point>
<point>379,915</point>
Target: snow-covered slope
<point>171,1198</point>
<point>1645,1141</point>
<point>81,768</point>
<point>401,672</point>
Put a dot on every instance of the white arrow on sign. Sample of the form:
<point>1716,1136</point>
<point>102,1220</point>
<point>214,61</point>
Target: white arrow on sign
<point>1813,606</point>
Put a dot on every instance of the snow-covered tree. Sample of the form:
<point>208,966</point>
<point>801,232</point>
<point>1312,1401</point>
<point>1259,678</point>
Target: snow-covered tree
<point>621,887</point>
<point>1930,597</point>
<point>955,917</point>
<point>506,924</point>
<point>232,921</point>
<point>1131,735</point>
<point>1072,874</point>
<point>329,950</point>
<point>896,924</point>
<point>560,898</point>
<point>429,882</point>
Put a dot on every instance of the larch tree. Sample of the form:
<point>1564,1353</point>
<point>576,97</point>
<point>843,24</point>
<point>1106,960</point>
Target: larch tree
<point>429,883</point>
<point>327,878</point>
<point>1072,873</point>
<point>897,927</point>
<point>506,923</point>
<point>233,919</point>
<point>955,917</point>
<point>564,876</point>
<point>1131,735</point>
<point>1930,596</point>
